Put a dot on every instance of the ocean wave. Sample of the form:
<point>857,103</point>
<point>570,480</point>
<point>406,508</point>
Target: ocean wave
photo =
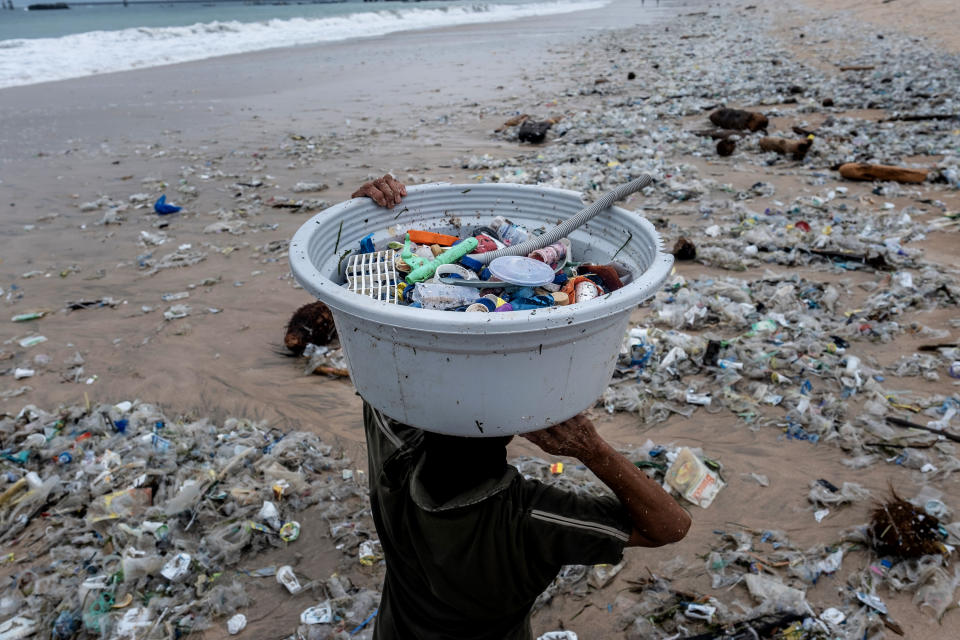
<point>95,52</point>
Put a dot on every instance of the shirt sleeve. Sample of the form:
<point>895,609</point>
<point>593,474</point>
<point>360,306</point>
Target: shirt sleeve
<point>567,528</point>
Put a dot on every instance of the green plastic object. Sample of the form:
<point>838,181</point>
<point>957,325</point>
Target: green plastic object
<point>424,269</point>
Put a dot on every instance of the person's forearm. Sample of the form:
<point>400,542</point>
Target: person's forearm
<point>656,516</point>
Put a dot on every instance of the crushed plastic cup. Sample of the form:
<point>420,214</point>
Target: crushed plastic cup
<point>831,564</point>
<point>288,579</point>
<point>268,513</point>
<point>702,399</point>
<point>176,567</point>
<point>236,624</point>
<point>319,614</point>
<point>290,531</point>
<point>369,552</point>
<point>833,616</point>
<point>700,611</point>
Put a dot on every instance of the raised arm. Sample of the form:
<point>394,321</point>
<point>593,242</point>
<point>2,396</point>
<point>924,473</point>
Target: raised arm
<point>657,518</point>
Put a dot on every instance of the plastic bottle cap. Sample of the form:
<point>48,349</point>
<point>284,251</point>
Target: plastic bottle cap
<point>489,303</point>
<point>470,263</point>
<point>521,270</point>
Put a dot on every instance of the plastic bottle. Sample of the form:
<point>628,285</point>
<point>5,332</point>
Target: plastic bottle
<point>510,233</point>
<point>586,290</point>
<point>434,295</point>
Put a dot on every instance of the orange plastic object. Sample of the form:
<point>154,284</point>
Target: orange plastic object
<point>570,288</point>
<point>429,237</point>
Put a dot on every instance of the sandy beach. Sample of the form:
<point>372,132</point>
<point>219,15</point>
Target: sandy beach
<point>229,139</point>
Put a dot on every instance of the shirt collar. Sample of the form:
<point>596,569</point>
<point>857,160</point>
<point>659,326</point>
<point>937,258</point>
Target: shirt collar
<point>481,492</point>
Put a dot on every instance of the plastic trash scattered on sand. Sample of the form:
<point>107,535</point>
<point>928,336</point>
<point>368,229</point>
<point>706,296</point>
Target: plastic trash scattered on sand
<point>180,529</point>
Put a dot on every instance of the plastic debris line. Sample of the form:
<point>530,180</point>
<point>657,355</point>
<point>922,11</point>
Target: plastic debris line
<point>149,527</point>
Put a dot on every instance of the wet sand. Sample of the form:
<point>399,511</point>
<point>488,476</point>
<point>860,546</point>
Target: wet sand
<point>412,104</point>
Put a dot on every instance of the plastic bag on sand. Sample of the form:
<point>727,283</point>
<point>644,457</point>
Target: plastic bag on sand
<point>937,594</point>
<point>849,492</point>
<point>228,540</point>
<point>784,598</point>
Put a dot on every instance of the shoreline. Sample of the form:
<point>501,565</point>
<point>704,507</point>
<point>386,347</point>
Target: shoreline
<point>332,82</point>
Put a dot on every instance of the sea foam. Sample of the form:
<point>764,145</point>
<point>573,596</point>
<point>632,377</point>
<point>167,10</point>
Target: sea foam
<point>29,61</point>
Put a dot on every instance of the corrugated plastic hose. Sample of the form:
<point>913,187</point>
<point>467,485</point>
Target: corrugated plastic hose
<point>564,229</point>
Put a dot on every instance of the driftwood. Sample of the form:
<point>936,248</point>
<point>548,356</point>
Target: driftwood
<point>920,117</point>
<point>533,132</point>
<point>858,67</point>
<point>797,148</point>
<point>512,122</point>
<point>864,171</point>
<point>739,119</point>
<point>906,424</point>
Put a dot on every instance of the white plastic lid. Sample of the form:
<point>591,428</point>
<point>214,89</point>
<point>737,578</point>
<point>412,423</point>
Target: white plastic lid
<point>521,270</point>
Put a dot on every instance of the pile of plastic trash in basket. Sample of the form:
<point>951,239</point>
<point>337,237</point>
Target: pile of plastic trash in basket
<point>438,271</point>
<point>117,523</point>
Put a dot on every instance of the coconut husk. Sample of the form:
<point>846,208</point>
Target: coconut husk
<point>310,324</point>
<point>898,528</point>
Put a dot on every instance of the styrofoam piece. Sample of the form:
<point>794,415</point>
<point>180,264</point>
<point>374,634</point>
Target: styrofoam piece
<point>517,371</point>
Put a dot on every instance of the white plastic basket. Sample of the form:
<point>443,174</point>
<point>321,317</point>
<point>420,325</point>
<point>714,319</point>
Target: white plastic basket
<point>478,374</point>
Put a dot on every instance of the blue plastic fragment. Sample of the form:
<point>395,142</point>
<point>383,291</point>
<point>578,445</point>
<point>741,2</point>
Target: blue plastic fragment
<point>471,263</point>
<point>360,627</point>
<point>121,425</point>
<point>366,244</point>
<point>161,206</point>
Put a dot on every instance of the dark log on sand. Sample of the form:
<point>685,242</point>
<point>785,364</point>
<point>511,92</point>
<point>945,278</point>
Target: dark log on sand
<point>796,148</point>
<point>864,171</point>
<point>739,119</point>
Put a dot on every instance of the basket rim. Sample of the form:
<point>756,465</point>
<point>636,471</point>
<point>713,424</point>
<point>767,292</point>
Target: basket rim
<point>340,299</point>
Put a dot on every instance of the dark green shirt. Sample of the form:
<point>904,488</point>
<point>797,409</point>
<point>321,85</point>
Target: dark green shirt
<point>471,568</point>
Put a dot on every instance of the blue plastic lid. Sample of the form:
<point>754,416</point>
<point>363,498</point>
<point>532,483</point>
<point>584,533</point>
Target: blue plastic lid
<point>471,263</point>
<point>521,270</point>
